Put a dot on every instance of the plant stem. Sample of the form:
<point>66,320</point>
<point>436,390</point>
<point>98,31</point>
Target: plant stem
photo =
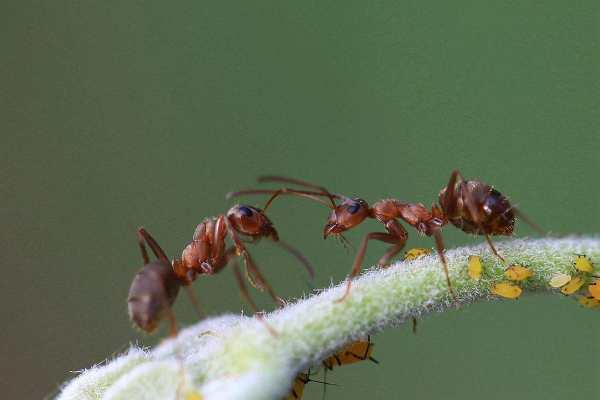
<point>235,357</point>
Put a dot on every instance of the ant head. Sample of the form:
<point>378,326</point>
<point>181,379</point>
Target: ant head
<point>251,221</point>
<point>348,214</point>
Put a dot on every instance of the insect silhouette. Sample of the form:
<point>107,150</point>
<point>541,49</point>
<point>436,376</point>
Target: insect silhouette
<point>470,205</point>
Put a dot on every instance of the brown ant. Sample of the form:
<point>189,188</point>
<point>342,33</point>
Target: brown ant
<point>156,285</point>
<point>472,206</point>
<point>153,289</point>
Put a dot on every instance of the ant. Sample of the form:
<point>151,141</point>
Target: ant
<point>156,285</point>
<point>470,205</point>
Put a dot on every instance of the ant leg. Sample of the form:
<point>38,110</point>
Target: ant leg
<point>143,250</point>
<point>250,265</point>
<point>385,259</point>
<point>296,253</point>
<point>260,279</point>
<point>248,298</point>
<point>439,244</point>
<point>172,322</point>
<point>384,237</point>
<point>489,241</point>
<point>414,325</point>
<point>450,198</point>
<point>195,303</point>
<point>156,249</point>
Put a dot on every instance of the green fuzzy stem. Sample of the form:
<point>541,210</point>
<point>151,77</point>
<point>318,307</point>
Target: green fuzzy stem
<point>236,357</point>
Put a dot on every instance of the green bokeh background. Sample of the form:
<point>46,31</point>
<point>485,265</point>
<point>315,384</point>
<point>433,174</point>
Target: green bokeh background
<point>118,114</point>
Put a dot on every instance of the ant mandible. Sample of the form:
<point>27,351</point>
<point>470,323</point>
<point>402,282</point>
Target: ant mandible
<point>156,285</point>
<point>472,206</point>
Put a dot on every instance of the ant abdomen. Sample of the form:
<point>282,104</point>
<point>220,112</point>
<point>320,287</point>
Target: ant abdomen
<point>478,208</point>
<point>151,294</point>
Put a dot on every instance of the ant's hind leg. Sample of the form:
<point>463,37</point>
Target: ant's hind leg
<point>248,298</point>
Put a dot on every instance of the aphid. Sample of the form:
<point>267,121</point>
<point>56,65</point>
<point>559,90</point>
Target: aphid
<point>472,206</point>
<point>590,302</point>
<point>300,381</point>
<point>559,280</point>
<point>507,290</point>
<point>583,263</point>
<point>354,352</point>
<point>594,290</point>
<point>474,267</point>
<point>572,286</point>
<point>415,253</point>
<point>518,272</point>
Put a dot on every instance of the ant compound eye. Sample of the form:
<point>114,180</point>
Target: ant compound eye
<point>245,211</point>
<point>353,208</point>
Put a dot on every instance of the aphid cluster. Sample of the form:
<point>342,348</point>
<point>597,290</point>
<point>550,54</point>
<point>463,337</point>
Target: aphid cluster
<point>470,205</point>
<point>352,353</point>
<point>582,277</point>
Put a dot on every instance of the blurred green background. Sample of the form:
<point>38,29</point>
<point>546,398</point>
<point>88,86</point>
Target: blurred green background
<point>118,114</point>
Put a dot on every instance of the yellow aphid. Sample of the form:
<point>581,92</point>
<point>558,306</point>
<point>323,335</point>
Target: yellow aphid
<point>474,267</point>
<point>574,285</point>
<point>594,290</point>
<point>589,302</point>
<point>415,253</point>
<point>193,396</point>
<point>559,280</point>
<point>517,272</point>
<point>507,290</point>
<point>583,263</point>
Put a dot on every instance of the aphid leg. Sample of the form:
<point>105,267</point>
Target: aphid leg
<point>156,249</point>
<point>248,298</point>
<point>439,244</point>
<point>384,237</point>
<point>489,241</point>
